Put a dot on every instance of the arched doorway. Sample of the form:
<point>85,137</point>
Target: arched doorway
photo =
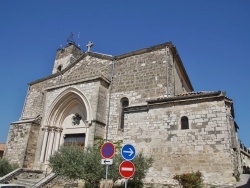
<point>66,122</point>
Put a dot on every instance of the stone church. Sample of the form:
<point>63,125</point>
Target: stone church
<point>145,97</point>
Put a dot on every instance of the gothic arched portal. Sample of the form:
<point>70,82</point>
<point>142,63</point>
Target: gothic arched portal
<point>65,122</point>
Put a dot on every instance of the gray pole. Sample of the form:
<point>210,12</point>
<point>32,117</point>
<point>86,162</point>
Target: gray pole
<point>106,179</point>
<point>107,126</point>
<point>126,183</point>
<point>111,81</point>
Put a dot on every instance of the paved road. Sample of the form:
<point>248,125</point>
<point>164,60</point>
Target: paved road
<point>244,181</point>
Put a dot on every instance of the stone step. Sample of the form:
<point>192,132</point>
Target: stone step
<point>30,180</point>
<point>26,182</point>
<point>45,180</point>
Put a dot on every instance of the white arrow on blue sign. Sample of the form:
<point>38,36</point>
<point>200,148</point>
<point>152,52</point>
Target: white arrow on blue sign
<point>128,152</point>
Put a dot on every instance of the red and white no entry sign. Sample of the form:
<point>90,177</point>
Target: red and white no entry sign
<point>127,169</point>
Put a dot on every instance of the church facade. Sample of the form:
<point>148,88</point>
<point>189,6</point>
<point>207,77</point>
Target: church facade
<point>145,98</point>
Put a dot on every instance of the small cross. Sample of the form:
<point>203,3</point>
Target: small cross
<point>89,45</point>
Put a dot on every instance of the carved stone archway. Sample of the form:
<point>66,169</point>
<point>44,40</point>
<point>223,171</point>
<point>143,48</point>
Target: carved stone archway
<point>66,121</point>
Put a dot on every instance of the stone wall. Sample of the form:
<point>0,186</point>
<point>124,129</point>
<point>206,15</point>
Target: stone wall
<point>29,158</point>
<point>34,101</point>
<point>144,74</point>
<point>84,69</point>
<point>102,102</point>
<point>245,161</point>
<point>21,143</point>
<point>204,147</point>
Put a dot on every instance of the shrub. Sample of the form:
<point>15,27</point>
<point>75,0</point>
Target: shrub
<point>6,167</point>
<point>237,177</point>
<point>190,180</point>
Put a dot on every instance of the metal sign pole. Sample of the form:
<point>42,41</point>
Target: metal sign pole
<point>107,126</point>
<point>126,183</point>
<point>107,168</point>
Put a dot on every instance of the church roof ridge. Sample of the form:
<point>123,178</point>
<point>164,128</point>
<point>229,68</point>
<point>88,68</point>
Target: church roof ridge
<point>131,53</point>
<point>143,50</point>
<point>102,54</point>
<point>99,55</point>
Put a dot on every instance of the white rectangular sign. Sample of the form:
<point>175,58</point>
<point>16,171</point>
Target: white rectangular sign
<point>107,161</point>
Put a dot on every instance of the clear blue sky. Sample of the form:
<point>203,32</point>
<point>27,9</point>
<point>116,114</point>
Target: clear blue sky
<point>212,38</point>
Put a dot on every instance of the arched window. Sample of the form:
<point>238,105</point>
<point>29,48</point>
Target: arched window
<point>59,68</point>
<point>124,103</point>
<point>184,122</point>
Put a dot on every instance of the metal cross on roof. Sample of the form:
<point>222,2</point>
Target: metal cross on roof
<point>89,45</point>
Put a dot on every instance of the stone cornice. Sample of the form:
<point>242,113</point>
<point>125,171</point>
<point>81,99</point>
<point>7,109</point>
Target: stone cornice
<point>185,97</point>
<point>176,100</point>
<point>31,120</point>
<point>90,79</point>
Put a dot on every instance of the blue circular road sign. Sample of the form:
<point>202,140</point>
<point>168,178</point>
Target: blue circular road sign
<point>128,152</point>
<point>107,150</point>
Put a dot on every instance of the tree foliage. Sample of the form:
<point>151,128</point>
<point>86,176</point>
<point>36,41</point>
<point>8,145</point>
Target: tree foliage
<point>6,167</point>
<point>75,163</point>
<point>69,162</point>
<point>142,164</point>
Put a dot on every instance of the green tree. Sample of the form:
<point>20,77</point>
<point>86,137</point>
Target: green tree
<point>75,163</point>
<point>6,167</point>
<point>68,162</point>
<point>93,170</point>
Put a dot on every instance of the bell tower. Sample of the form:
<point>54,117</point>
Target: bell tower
<point>66,55</point>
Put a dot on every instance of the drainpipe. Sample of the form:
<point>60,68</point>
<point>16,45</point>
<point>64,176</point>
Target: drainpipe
<point>111,82</point>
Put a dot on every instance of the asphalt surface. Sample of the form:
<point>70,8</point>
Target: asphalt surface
<point>244,181</point>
